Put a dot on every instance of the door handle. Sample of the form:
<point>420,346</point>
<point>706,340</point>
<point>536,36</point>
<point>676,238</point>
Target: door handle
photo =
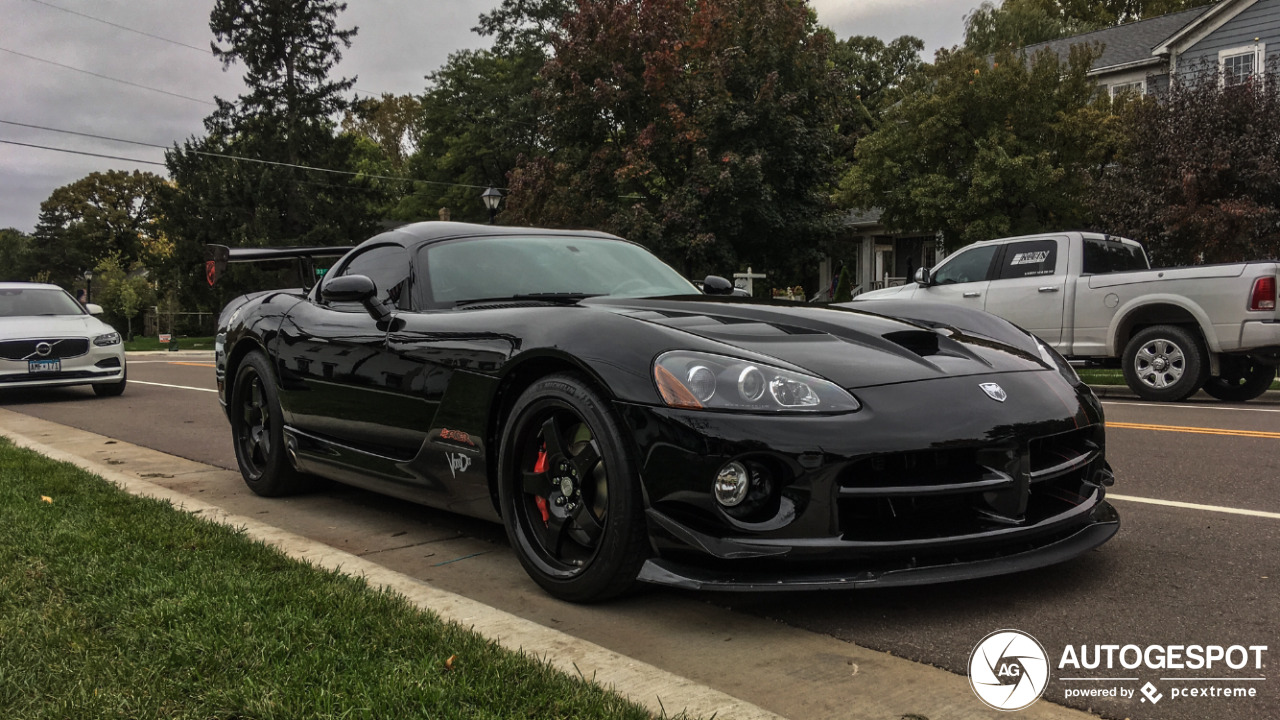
<point>972,294</point>
<point>1049,288</point>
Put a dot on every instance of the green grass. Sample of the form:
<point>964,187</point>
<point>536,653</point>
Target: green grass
<point>1115,376</point>
<point>113,606</point>
<point>184,343</point>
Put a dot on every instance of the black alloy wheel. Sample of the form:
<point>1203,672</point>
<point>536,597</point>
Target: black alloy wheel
<point>569,493</point>
<point>258,430</point>
<point>1242,378</point>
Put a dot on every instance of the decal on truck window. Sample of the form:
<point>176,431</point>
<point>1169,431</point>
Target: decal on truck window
<point>1030,258</point>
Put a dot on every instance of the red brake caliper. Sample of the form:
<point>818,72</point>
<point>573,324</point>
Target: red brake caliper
<point>541,467</point>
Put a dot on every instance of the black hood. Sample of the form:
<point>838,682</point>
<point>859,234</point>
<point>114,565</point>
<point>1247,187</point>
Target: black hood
<point>853,348</point>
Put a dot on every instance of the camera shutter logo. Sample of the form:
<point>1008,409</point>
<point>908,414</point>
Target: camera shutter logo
<point>1008,670</point>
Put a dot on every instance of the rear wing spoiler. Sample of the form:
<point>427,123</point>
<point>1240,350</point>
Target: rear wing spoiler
<point>216,258</point>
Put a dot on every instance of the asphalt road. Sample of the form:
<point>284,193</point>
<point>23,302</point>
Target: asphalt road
<point>1174,575</point>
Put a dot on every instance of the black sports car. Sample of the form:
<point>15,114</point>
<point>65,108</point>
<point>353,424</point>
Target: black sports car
<point>624,426</point>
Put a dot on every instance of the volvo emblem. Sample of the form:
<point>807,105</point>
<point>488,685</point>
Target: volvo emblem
<point>43,349</point>
<point>994,391</point>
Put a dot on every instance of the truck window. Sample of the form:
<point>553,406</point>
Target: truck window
<point>1030,258</point>
<point>1101,257</point>
<point>968,266</point>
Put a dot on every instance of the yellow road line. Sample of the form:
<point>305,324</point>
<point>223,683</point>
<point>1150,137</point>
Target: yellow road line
<point>193,364</point>
<point>1196,430</point>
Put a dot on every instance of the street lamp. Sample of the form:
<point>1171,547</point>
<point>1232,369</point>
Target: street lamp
<point>492,197</point>
<point>88,286</point>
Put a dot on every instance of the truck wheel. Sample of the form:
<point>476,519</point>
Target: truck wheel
<point>1164,363</point>
<point>1243,378</point>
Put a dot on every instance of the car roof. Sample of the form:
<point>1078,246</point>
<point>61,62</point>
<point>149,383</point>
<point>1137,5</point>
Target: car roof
<point>424,233</point>
<point>28,286</point>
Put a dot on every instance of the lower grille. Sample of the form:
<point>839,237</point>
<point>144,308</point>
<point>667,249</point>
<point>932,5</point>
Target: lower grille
<point>59,348</point>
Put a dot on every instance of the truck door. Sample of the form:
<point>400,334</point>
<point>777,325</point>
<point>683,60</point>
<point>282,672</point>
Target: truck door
<point>961,279</point>
<point>1029,287</point>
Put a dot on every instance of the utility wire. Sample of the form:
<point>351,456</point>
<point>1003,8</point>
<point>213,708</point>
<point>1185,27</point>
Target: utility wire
<point>207,51</point>
<point>106,77</point>
<point>179,43</point>
<point>81,152</point>
<point>223,155</point>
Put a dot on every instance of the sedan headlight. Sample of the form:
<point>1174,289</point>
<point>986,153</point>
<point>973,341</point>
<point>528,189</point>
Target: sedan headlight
<point>1056,361</point>
<point>111,338</point>
<point>695,380</point>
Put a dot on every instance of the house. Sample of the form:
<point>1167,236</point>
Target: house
<point>1235,38</point>
<point>1230,37</point>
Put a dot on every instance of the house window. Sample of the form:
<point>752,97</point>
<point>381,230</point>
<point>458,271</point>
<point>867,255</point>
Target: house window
<point>1238,65</point>
<point>1138,87</point>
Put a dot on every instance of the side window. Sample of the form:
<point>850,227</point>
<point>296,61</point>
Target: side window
<point>1029,259</point>
<point>388,267</point>
<point>1101,256</point>
<point>968,266</point>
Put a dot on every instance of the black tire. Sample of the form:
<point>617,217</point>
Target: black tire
<point>112,389</point>
<point>570,493</point>
<point>1243,378</point>
<point>257,430</point>
<point>1165,363</point>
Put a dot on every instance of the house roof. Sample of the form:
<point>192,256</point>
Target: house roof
<point>1128,44</point>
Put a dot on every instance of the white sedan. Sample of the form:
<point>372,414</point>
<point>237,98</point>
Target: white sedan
<point>48,339</point>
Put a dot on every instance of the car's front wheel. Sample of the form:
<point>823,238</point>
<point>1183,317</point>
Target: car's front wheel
<point>1243,378</point>
<point>258,430</point>
<point>111,389</point>
<point>569,492</point>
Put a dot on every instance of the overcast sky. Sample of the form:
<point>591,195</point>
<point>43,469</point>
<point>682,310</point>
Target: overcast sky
<point>397,44</point>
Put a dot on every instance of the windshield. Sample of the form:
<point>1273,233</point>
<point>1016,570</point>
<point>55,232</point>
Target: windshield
<point>500,267</point>
<point>26,302</point>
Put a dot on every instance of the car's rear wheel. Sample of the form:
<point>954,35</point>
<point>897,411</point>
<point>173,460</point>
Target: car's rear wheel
<point>1243,378</point>
<point>111,389</point>
<point>569,492</point>
<point>258,430</point>
<point>1164,363</point>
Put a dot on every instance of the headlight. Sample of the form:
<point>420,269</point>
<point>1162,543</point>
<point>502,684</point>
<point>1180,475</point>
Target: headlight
<point>1054,360</point>
<point>112,338</point>
<point>697,380</point>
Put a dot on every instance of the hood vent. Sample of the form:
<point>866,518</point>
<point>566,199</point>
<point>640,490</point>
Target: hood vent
<point>921,342</point>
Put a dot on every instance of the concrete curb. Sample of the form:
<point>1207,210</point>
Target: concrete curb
<point>176,354</point>
<point>1122,392</point>
<point>656,689</point>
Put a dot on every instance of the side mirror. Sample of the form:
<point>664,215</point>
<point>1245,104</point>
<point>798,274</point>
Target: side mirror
<point>924,277</point>
<point>716,285</point>
<point>355,289</point>
<point>93,308</point>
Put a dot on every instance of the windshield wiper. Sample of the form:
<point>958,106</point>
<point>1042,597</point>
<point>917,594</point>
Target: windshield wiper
<point>555,297</point>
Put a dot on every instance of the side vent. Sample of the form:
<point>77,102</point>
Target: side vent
<point>921,342</point>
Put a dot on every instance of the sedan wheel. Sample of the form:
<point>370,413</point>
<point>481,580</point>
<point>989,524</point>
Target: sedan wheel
<point>569,494</point>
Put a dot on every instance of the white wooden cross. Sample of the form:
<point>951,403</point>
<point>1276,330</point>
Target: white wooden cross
<point>749,278</point>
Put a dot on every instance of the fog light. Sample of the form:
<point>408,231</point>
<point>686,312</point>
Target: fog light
<point>732,484</point>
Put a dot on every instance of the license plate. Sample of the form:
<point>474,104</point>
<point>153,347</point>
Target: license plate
<point>44,366</point>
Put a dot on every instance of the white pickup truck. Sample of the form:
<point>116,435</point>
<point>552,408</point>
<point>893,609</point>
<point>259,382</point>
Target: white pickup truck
<point>1092,296</point>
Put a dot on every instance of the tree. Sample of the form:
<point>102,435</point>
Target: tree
<point>873,74</point>
<point>103,213</point>
<point>705,130</point>
<point>983,149</point>
<point>14,251</point>
<point>122,294</point>
<point>243,183</point>
<point>844,287</point>
<point>390,122</point>
<point>1198,173</point>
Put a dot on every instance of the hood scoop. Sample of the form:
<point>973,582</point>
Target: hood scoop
<point>920,342</point>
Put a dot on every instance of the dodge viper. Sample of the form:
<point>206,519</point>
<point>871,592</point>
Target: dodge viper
<point>626,427</point>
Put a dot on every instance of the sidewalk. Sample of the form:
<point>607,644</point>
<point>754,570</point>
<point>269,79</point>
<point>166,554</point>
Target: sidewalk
<point>669,651</point>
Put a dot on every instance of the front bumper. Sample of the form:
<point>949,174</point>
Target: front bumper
<point>98,364</point>
<point>929,482</point>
